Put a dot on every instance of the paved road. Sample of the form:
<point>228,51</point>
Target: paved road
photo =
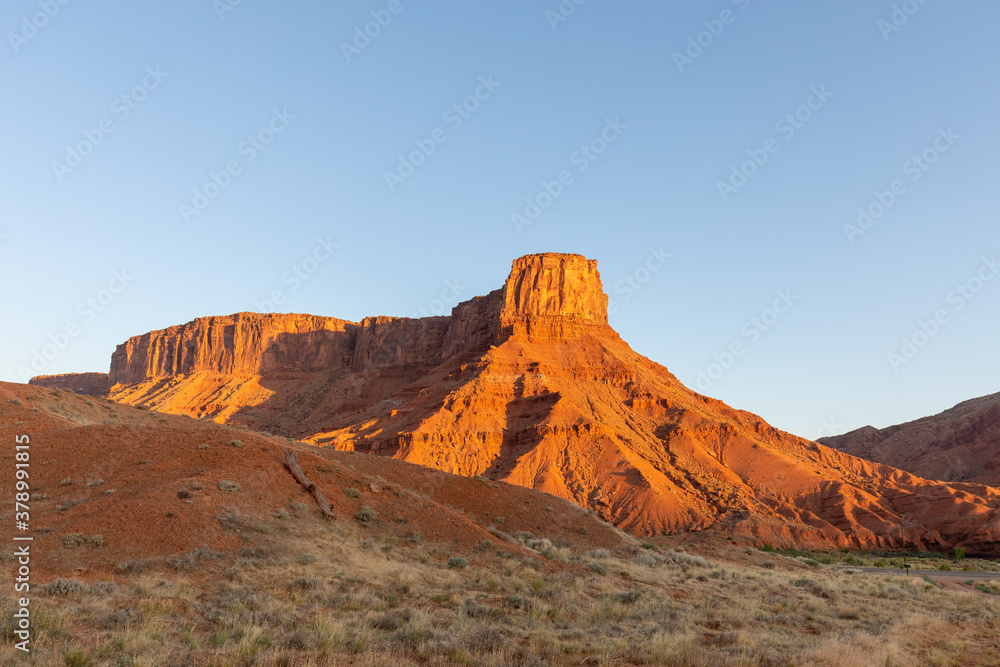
<point>955,575</point>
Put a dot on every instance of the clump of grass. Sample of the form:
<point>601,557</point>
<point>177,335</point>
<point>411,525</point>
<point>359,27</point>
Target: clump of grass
<point>235,443</point>
<point>64,587</point>
<point>598,568</point>
<point>93,483</point>
<point>352,493</point>
<point>306,559</point>
<point>96,540</point>
<point>66,482</point>
<point>305,583</point>
<point>682,558</point>
<point>228,486</point>
<point>457,562</point>
<point>73,540</point>
<point>367,516</point>
<point>203,446</point>
<point>133,566</point>
<point>77,659</point>
<point>231,521</point>
<point>630,597</point>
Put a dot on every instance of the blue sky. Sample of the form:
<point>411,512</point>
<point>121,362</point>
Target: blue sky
<point>819,108</point>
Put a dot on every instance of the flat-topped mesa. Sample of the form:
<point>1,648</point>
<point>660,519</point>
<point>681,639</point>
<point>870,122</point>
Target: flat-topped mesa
<point>549,295</point>
<point>90,384</point>
<point>240,344</point>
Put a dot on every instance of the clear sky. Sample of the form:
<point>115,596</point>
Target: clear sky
<point>167,161</point>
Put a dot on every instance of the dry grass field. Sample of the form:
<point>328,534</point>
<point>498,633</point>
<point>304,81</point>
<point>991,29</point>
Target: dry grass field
<point>321,593</point>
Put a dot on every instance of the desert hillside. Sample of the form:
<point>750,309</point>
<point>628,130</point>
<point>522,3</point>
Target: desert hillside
<point>959,445</point>
<point>165,540</point>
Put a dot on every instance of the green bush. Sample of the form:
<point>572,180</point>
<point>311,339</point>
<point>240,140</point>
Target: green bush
<point>457,562</point>
<point>958,553</point>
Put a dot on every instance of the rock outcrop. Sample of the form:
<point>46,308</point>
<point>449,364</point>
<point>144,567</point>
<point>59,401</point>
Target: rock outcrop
<point>89,384</point>
<point>959,445</point>
<point>530,385</point>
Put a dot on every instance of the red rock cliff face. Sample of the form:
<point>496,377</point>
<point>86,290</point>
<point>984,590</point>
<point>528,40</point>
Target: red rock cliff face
<point>241,344</point>
<point>552,294</point>
<point>90,384</point>
<point>558,293</point>
<point>530,385</point>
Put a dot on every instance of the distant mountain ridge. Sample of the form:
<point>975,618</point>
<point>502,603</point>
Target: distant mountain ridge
<point>961,444</point>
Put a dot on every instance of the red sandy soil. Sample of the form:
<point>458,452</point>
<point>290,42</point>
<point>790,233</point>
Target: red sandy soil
<point>529,385</point>
<point>959,445</point>
<point>148,458</point>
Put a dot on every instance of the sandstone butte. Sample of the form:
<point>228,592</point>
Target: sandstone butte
<point>959,445</point>
<point>530,385</point>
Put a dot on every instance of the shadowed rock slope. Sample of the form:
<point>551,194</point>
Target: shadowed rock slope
<point>959,445</point>
<point>155,486</point>
<point>530,385</point>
